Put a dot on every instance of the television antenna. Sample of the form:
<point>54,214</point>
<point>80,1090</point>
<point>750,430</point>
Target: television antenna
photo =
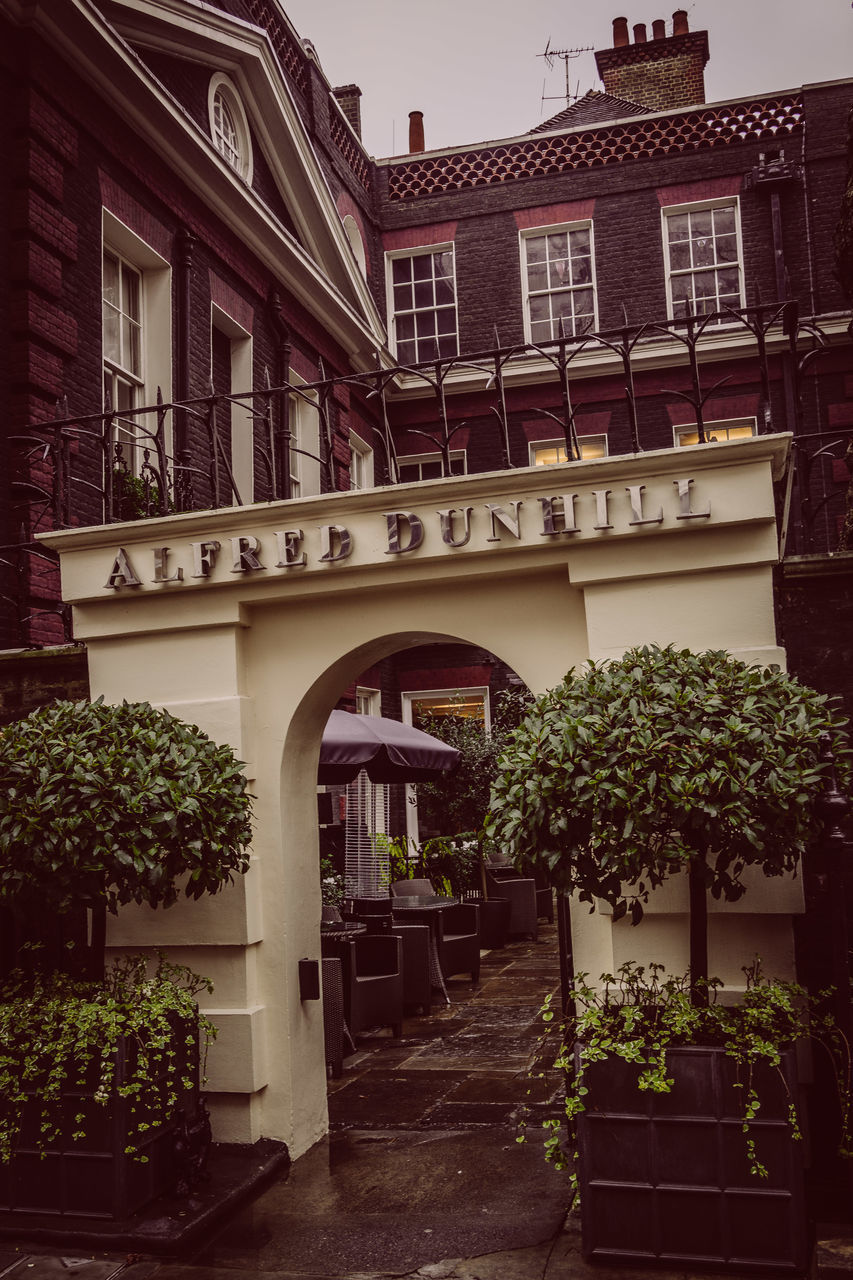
<point>567,55</point>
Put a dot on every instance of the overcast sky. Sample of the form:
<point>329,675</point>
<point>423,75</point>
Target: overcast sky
<point>472,66</point>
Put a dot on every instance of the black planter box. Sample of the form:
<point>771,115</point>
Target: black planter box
<point>665,1177</point>
<point>91,1176</point>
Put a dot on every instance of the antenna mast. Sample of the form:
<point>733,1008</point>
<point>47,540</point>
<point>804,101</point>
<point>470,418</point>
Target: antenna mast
<point>567,55</point>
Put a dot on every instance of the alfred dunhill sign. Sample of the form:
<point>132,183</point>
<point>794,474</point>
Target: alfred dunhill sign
<point>597,513</point>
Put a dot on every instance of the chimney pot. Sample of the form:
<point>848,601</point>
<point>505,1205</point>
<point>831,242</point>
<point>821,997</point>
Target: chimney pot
<point>679,23</point>
<point>640,33</point>
<point>658,29</point>
<point>416,131</point>
<point>620,32</point>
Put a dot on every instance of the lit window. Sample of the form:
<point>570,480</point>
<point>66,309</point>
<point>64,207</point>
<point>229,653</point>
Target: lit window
<point>460,704</point>
<point>741,429</point>
<point>559,282</point>
<point>428,466</point>
<point>704,271</point>
<point>229,126</point>
<point>545,453</point>
<point>422,304</point>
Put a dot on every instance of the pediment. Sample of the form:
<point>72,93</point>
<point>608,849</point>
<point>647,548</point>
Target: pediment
<point>164,34</point>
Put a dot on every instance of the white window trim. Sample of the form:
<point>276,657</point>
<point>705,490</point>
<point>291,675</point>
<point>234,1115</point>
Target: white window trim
<point>709,427</point>
<point>304,421</point>
<point>414,695</point>
<point>696,206</point>
<point>409,459</point>
<point>155,314</point>
<point>224,85</point>
<point>368,701</point>
<point>362,449</point>
<point>546,230</point>
<point>241,420</point>
<point>559,442</point>
<point>391,256</point>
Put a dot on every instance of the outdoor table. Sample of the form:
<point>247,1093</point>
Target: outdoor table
<point>426,910</point>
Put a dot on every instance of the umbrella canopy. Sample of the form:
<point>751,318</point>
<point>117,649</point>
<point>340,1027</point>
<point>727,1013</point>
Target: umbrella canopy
<point>388,750</point>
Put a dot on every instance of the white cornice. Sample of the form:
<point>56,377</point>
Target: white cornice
<point>92,47</point>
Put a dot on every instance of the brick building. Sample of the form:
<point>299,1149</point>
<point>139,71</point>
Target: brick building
<point>191,216</point>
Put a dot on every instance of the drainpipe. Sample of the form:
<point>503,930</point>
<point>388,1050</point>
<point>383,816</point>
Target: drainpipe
<point>281,408</point>
<point>184,252</point>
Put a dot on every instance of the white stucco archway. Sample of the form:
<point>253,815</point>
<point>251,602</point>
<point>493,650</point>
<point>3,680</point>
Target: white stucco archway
<point>251,621</point>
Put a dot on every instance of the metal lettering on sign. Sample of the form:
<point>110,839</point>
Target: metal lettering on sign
<point>602,517</point>
<point>558,514</point>
<point>161,567</point>
<point>636,492</point>
<point>684,497</point>
<point>204,558</point>
<point>412,525</point>
<point>122,573</point>
<point>446,518</point>
<point>336,542</point>
<point>290,554</point>
<point>498,516</point>
<point>244,550</point>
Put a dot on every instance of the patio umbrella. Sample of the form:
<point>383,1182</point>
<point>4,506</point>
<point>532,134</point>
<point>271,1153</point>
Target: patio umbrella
<point>388,750</point>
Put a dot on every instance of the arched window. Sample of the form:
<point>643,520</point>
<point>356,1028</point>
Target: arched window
<point>357,243</point>
<point>229,126</point>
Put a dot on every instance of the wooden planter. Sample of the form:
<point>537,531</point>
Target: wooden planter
<point>665,1177</point>
<point>92,1177</point>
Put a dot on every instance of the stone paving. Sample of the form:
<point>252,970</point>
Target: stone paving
<point>421,1175</point>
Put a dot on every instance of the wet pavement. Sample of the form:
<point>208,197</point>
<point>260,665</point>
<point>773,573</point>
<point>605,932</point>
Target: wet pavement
<point>421,1174</point>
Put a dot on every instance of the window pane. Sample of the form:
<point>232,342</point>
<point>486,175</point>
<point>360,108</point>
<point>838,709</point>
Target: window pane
<point>446,320</point>
<point>540,331</point>
<point>724,221</point>
<point>431,470</point>
<point>559,273</point>
<point>537,277</point>
<point>130,291</point>
<point>111,270</point>
<point>703,252</point>
<point>700,223</point>
<point>583,302</point>
<point>539,310</point>
<point>406,352</point>
<point>558,245</point>
<point>403,297</point>
<point>423,294</point>
<point>581,271</point>
<point>424,323</point>
<point>110,336</point>
<point>448,346</point>
<point>405,327</point>
<point>678,227</point>
<point>579,242</point>
<point>727,248</point>
<point>444,263</point>
<point>401,270</point>
<point>705,284</point>
<point>422,266</point>
<point>535,249</point>
<point>444,291</point>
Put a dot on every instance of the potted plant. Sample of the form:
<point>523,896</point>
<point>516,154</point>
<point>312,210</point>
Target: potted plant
<point>659,762</point>
<point>100,806</point>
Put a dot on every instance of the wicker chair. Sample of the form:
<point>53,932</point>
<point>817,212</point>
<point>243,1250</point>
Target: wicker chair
<point>333,1014</point>
<point>373,982</point>
<point>504,882</point>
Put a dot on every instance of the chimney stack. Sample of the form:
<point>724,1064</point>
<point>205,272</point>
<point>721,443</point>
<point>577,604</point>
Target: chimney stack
<point>416,131</point>
<point>348,96</point>
<point>620,32</point>
<point>664,73</point>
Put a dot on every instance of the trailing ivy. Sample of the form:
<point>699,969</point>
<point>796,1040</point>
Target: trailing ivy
<point>639,1014</point>
<point>57,1033</point>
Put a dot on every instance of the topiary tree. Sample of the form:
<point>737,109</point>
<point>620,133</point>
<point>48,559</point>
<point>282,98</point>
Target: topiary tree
<point>104,805</point>
<point>661,760</point>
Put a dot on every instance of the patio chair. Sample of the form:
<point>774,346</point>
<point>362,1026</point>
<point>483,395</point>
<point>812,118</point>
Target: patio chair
<point>417,985</point>
<point>373,982</point>
<point>458,937</point>
<point>412,889</point>
<point>503,881</point>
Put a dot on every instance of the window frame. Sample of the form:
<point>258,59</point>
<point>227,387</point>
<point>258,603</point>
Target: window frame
<point>417,459</point>
<point>726,424</point>
<point>557,228</point>
<point>559,443</point>
<point>155,333</point>
<point>407,697</point>
<point>222,86</point>
<point>364,470</point>
<point>699,206</point>
<point>397,255</point>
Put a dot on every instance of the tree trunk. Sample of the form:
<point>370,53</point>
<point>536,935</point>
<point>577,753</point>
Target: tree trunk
<point>698,931</point>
